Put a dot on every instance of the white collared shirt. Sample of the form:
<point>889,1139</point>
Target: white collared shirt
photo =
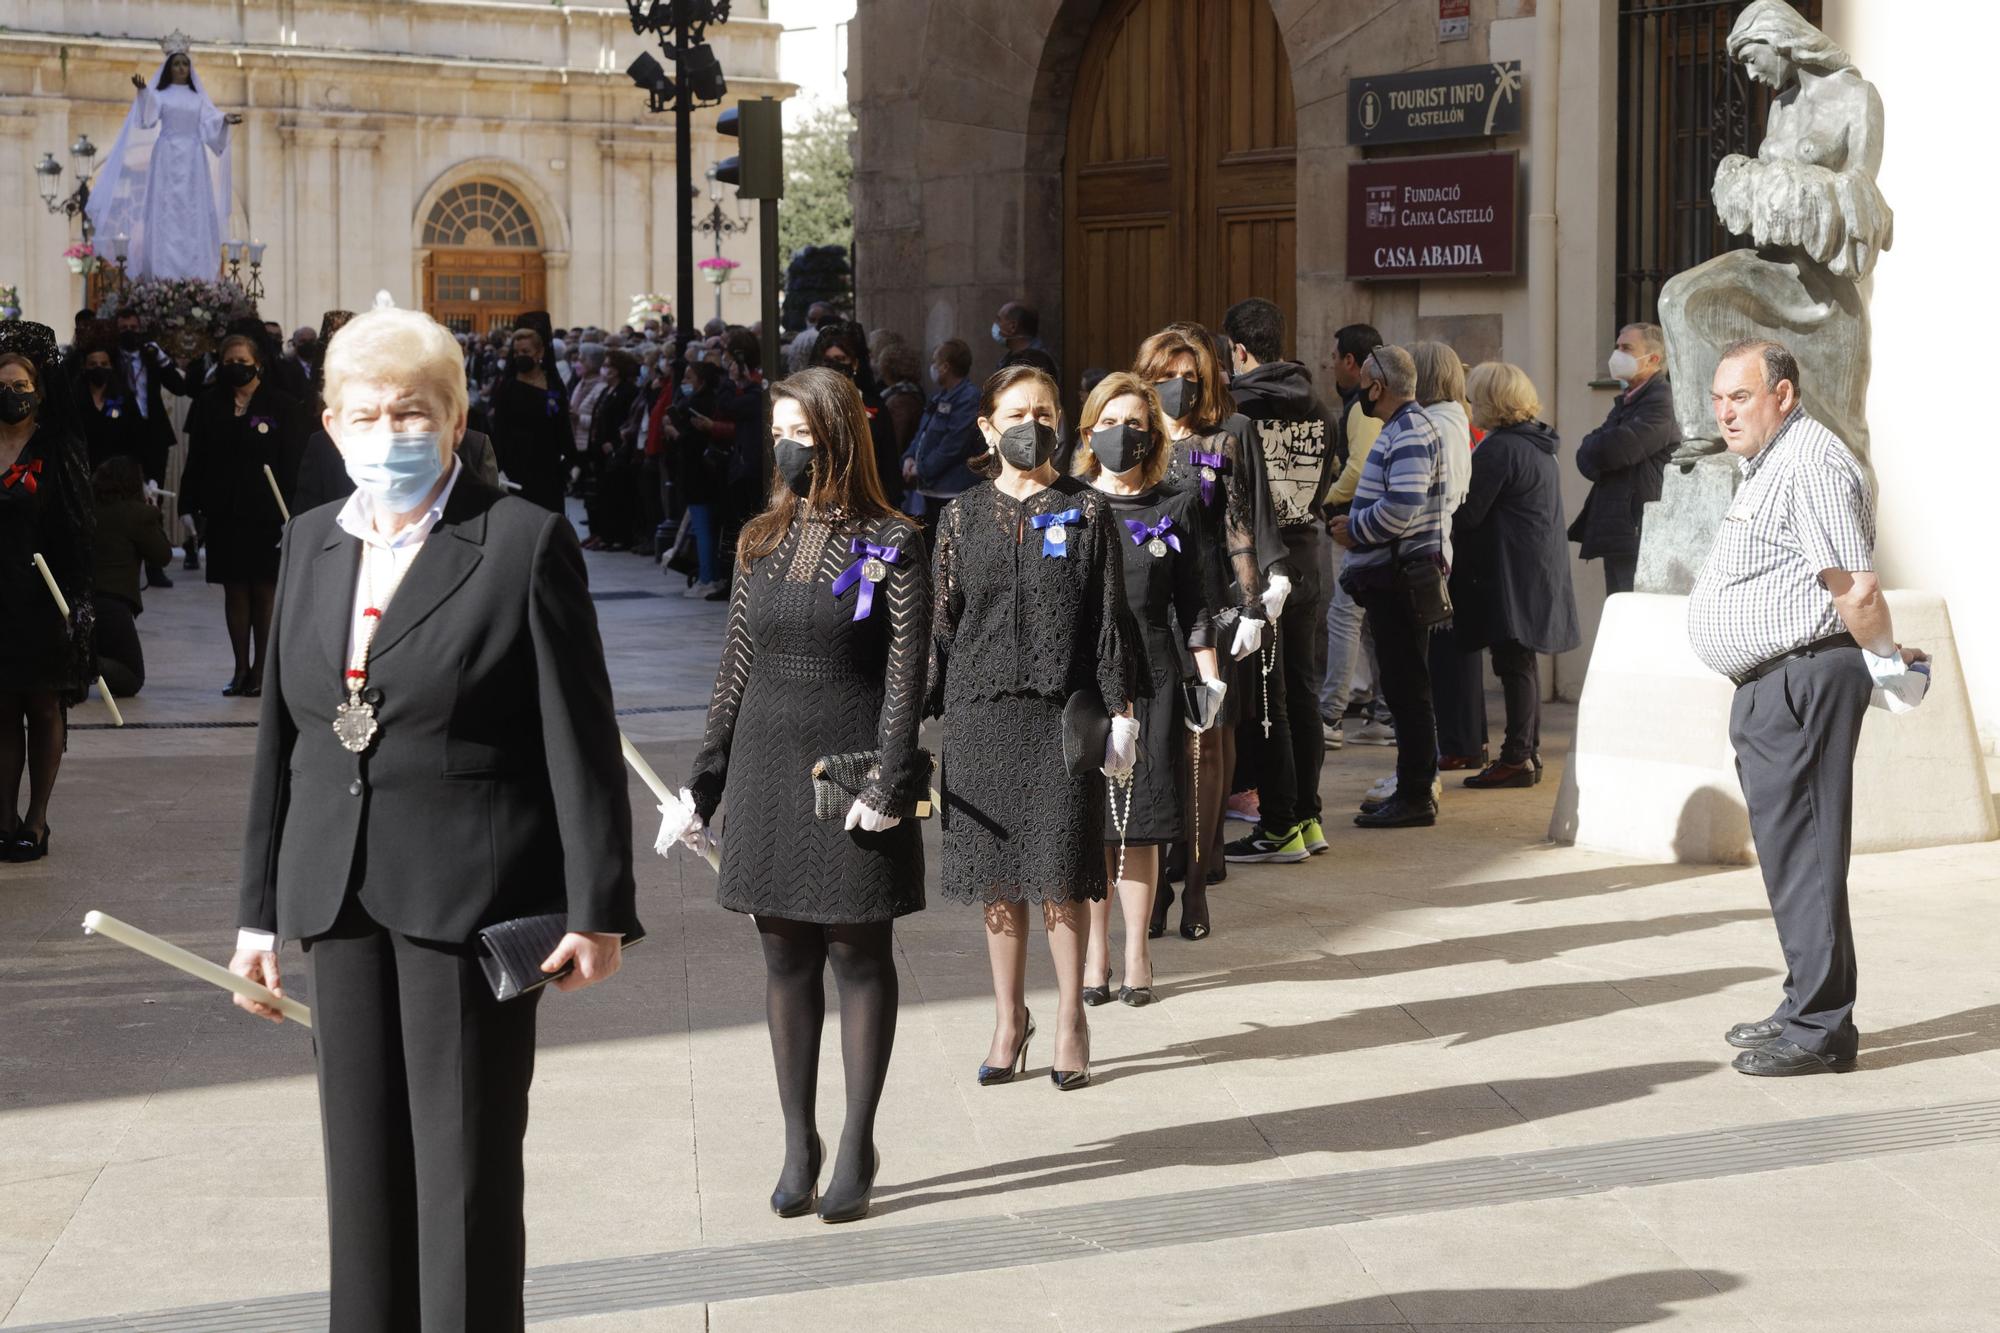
<point>384,561</point>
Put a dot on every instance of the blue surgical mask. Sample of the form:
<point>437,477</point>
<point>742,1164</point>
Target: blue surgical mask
<point>396,469</point>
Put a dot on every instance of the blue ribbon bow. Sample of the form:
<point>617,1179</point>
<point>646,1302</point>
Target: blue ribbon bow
<point>1216,463</point>
<point>113,406</point>
<point>1163,530</point>
<point>1053,545</point>
<point>864,551</point>
<point>551,403</point>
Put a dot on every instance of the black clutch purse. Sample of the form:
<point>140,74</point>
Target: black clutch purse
<point>1086,729</point>
<point>511,952</point>
<point>839,778</point>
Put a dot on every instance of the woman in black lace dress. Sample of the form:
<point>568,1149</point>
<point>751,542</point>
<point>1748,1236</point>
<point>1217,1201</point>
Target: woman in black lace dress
<point>826,654</point>
<point>1029,599</point>
<point>1123,452</point>
<point>1213,459</point>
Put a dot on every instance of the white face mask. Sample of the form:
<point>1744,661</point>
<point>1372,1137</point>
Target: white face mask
<point>1624,366</point>
<point>397,469</point>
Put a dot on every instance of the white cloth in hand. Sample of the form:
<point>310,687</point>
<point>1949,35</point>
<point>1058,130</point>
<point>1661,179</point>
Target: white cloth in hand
<point>1216,691</point>
<point>1899,687</point>
<point>1121,747</point>
<point>1249,638</point>
<point>868,819</point>
<point>1277,588</point>
<point>680,824</point>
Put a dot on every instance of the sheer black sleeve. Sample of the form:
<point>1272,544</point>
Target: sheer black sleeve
<point>1190,575</point>
<point>711,765</point>
<point>1119,649</point>
<point>905,593</point>
<point>947,604</point>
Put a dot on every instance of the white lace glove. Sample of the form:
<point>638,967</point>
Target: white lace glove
<point>1121,748</point>
<point>1899,687</point>
<point>152,491</point>
<point>1249,638</point>
<point>1217,691</point>
<point>868,819</point>
<point>680,824</point>
<point>1276,589</point>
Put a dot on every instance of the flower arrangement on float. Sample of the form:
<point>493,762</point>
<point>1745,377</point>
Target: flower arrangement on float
<point>649,305</point>
<point>717,267</point>
<point>10,304</point>
<point>186,314</point>
<point>82,257</point>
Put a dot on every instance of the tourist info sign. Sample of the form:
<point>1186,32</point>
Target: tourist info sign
<point>1433,217</point>
<point>1468,102</point>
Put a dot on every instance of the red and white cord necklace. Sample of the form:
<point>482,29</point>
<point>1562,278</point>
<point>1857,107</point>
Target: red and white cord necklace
<point>354,721</point>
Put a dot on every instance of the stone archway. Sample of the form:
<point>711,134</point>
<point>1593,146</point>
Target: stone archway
<point>483,225</point>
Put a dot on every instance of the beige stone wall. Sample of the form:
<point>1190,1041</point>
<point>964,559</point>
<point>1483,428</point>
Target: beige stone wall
<point>358,114</point>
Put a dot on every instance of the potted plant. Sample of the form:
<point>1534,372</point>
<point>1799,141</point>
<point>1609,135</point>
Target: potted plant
<point>82,258</point>
<point>717,268</point>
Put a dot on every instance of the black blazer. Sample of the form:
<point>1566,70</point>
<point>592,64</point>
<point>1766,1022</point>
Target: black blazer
<point>1625,460</point>
<point>495,787</point>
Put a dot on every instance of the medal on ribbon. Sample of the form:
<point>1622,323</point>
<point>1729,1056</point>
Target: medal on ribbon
<point>870,567</point>
<point>1208,468</point>
<point>1055,531</point>
<point>1158,539</point>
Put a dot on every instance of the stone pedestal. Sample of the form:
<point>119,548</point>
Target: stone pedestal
<point>1651,773</point>
<point>1681,525</point>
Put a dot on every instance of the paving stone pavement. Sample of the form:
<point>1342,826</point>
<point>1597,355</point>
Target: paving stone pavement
<point>1451,1078</point>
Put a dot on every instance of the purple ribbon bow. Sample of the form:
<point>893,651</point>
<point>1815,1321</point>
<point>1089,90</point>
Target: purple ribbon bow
<point>551,403</point>
<point>1216,463</point>
<point>864,553</point>
<point>1141,534</point>
<point>1052,545</point>
<point>262,425</point>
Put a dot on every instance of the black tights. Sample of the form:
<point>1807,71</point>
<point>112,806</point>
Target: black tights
<point>32,733</point>
<point>246,607</point>
<point>864,968</point>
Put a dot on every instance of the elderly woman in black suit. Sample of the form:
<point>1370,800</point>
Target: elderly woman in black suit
<point>437,754</point>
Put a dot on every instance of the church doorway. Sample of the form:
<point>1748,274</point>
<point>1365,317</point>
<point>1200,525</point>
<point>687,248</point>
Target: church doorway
<point>483,264</point>
<point>1180,179</point>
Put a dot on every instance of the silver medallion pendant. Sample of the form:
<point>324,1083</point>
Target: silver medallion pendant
<point>1207,473</point>
<point>875,571</point>
<point>354,724</point>
<point>1156,548</point>
<point>1058,534</point>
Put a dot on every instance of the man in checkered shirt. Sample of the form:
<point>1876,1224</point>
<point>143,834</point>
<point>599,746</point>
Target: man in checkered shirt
<point>1784,607</point>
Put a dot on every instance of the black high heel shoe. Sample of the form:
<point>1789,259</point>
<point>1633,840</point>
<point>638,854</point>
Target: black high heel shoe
<point>798,1205</point>
<point>26,847</point>
<point>1096,995</point>
<point>1157,925</point>
<point>991,1074</point>
<point>1069,1080</point>
<point>854,1208</point>
<point>1194,916</point>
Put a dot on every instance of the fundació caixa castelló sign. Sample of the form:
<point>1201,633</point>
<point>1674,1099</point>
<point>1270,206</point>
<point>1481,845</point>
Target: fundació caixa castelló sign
<point>1430,217</point>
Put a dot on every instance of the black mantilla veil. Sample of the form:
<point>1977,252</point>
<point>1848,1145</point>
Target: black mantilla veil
<point>59,439</point>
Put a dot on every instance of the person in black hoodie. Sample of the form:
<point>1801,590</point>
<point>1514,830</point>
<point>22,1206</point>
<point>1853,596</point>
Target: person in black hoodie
<point>1300,441</point>
<point>1510,583</point>
<point>1625,459</point>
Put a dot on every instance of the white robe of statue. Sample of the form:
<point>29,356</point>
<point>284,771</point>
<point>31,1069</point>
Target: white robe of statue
<point>166,184</point>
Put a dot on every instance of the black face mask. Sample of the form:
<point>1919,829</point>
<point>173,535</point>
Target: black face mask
<point>795,462</point>
<point>97,376</point>
<point>523,364</point>
<point>846,368</point>
<point>236,374</point>
<point>16,405</point>
<point>129,340</point>
<point>1029,445</point>
<point>1179,396</point>
<point>1370,403</point>
<point>1121,448</point>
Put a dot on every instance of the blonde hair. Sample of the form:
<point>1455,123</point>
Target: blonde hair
<point>1118,384</point>
<point>1501,394</point>
<point>395,346</point>
<point>1440,374</point>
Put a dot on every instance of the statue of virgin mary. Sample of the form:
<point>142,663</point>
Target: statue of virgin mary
<point>166,183</point>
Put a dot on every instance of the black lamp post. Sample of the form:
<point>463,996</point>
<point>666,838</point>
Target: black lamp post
<point>83,156</point>
<point>718,224</point>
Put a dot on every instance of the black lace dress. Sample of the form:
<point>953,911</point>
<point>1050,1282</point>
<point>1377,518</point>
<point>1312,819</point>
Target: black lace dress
<point>45,508</point>
<point>802,678</point>
<point>1239,533</point>
<point>1165,588</point>
<point>1015,631</point>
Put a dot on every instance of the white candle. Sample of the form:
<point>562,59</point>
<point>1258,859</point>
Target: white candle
<point>659,789</point>
<point>193,964</point>
<point>62,605</point>
<point>277,494</point>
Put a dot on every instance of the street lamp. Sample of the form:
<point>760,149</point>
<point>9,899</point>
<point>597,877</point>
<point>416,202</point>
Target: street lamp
<point>83,159</point>
<point>719,224</point>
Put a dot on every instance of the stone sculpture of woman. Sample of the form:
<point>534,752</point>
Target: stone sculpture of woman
<point>1809,203</point>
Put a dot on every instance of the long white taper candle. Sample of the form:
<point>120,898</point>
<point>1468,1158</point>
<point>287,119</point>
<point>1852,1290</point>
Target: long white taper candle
<point>97,923</point>
<point>62,605</point>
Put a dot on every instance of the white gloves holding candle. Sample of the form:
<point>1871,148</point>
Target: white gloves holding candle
<point>1121,748</point>
<point>680,824</point>
<point>870,820</point>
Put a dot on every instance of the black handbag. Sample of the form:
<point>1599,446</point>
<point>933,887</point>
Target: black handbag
<point>1421,584</point>
<point>839,778</point>
<point>1086,730</point>
<point>511,952</point>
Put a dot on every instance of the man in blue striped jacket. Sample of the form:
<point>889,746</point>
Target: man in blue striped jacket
<point>1398,517</point>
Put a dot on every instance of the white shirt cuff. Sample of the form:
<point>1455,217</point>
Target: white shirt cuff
<point>256,941</point>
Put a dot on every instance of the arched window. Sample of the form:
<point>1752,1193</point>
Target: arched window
<point>481,215</point>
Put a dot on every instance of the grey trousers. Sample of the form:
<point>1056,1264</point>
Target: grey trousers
<point>1795,733</point>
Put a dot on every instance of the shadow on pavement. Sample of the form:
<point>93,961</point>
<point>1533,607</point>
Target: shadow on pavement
<point>1630,1300</point>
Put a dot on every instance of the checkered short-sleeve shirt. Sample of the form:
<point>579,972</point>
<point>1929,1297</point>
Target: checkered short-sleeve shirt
<point>1804,506</point>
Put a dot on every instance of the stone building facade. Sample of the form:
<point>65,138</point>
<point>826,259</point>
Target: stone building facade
<point>425,148</point>
<point>988,169</point>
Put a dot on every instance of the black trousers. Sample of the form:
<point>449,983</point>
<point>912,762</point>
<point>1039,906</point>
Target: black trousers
<point>1520,671</point>
<point>423,1093</point>
<point>1458,695</point>
<point>1288,772</point>
<point>1795,733</point>
<point>120,659</point>
<point>1402,651</point>
<point>1619,571</point>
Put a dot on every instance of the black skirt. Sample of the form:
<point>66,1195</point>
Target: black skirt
<point>1017,827</point>
<point>242,550</point>
<point>1155,815</point>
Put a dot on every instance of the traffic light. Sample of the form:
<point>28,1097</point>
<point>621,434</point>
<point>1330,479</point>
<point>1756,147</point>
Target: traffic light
<point>758,171</point>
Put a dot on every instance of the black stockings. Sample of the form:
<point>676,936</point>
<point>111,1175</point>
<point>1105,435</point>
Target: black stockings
<point>32,732</point>
<point>864,968</point>
<point>246,607</point>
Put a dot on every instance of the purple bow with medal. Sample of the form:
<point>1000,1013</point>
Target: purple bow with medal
<point>1157,539</point>
<point>1208,468</point>
<point>114,408</point>
<point>1055,530</point>
<point>262,425</point>
<point>870,567</point>
<point>552,403</point>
